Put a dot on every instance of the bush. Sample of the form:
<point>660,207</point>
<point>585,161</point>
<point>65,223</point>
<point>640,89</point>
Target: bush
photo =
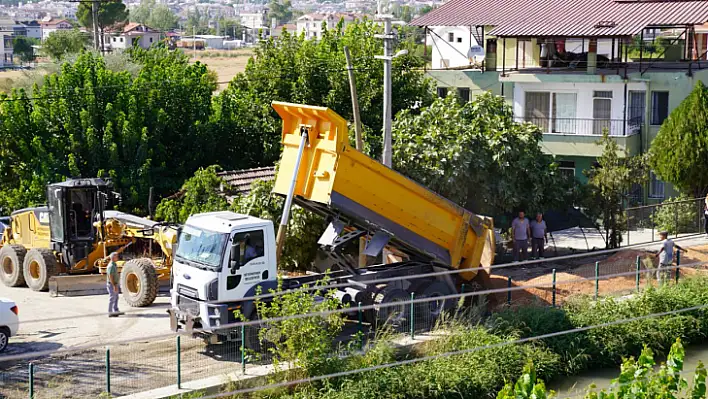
<point>677,218</point>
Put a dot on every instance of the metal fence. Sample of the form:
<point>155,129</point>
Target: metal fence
<point>144,365</point>
<point>585,126</point>
<point>678,218</point>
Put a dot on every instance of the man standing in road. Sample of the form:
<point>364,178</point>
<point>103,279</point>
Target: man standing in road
<point>666,257</point>
<point>112,285</point>
<point>521,232</point>
<point>539,236</point>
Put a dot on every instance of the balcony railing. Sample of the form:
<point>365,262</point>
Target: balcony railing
<point>586,127</point>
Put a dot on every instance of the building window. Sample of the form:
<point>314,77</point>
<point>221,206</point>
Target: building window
<point>602,112</point>
<point>442,92</point>
<point>121,40</point>
<point>656,187</point>
<point>451,37</point>
<point>114,39</point>
<point>464,94</point>
<point>659,107</point>
<point>459,40</point>
<point>567,168</point>
<point>444,63</point>
<point>150,40</point>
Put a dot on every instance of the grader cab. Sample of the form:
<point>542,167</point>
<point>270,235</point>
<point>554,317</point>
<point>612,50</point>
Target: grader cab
<point>46,247</point>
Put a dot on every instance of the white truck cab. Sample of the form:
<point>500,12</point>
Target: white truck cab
<point>221,258</point>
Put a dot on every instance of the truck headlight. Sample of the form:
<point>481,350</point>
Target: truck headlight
<point>213,290</point>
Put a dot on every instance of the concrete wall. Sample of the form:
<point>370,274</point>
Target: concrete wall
<point>454,52</point>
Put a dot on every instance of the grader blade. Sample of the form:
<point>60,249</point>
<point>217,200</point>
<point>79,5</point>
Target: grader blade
<point>90,284</point>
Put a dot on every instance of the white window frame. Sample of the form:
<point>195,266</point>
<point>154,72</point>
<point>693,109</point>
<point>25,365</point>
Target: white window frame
<point>551,117</point>
<point>654,179</point>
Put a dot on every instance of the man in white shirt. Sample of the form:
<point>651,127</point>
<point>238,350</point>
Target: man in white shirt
<point>666,257</point>
<point>539,238</point>
<point>521,232</point>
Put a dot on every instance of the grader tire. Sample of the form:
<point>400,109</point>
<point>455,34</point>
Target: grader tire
<point>11,259</point>
<point>138,282</point>
<point>40,264</point>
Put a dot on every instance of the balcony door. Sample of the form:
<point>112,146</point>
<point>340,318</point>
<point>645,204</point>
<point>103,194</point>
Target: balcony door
<point>538,109</point>
<point>564,108</point>
<point>636,110</point>
<point>602,111</point>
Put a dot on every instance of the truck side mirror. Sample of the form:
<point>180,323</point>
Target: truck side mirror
<point>234,257</point>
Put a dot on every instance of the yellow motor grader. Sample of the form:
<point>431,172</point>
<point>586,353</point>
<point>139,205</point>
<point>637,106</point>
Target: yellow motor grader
<point>62,247</point>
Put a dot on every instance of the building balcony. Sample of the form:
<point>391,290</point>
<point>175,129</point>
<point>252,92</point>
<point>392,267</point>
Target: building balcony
<point>586,127</point>
<point>579,137</point>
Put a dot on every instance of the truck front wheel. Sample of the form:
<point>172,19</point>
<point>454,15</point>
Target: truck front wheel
<point>138,282</point>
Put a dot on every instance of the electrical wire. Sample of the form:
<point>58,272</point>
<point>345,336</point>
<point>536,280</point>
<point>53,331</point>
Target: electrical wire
<point>453,353</point>
<point>388,280</point>
<point>315,314</point>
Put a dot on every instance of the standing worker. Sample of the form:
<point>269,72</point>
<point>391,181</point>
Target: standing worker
<point>521,232</point>
<point>666,257</point>
<point>112,285</point>
<point>539,236</point>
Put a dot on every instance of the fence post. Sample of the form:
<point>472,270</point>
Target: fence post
<point>31,380</point>
<point>636,274</point>
<point>179,363</point>
<point>653,219</point>
<point>676,226</point>
<point>678,265</point>
<point>412,316</point>
<point>361,327</point>
<point>626,214</point>
<point>553,298</point>
<point>243,349</point>
<point>108,370</point>
<point>508,291</point>
<point>597,279</point>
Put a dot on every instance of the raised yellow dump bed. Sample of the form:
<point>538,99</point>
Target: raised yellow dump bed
<point>337,180</point>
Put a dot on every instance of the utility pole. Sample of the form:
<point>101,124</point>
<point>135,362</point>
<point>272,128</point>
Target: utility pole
<point>94,17</point>
<point>387,58</point>
<point>194,41</point>
<point>355,101</point>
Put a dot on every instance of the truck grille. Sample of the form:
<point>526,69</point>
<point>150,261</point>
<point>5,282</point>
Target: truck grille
<point>186,300</point>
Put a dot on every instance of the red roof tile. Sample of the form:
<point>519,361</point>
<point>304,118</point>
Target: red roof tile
<point>567,17</point>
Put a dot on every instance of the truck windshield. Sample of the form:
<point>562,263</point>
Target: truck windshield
<point>201,246</point>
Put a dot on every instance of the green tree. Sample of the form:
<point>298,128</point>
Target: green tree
<point>406,13</point>
<point>162,18</point>
<point>64,42</point>
<point>679,153</point>
<point>477,156</point>
<point>313,72</point>
<point>281,10</point>
<point>110,13</point>
<point>608,184</point>
<point>90,121</point>
<point>198,194</point>
<point>141,13</point>
<point>22,46</point>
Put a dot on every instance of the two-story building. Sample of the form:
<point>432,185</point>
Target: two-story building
<point>125,37</point>
<point>7,49</point>
<point>574,68</point>
<point>50,26</point>
<point>311,24</point>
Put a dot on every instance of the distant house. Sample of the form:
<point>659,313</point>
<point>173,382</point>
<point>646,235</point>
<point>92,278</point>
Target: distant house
<point>52,25</point>
<point>32,29</point>
<point>125,37</point>
<point>290,28</point>
<point>7,49</point>
<point>238,182</point>
<point>311,24</point>
<point>254,20</point>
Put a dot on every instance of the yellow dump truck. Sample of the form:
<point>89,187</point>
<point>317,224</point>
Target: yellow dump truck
<point>359,197</point>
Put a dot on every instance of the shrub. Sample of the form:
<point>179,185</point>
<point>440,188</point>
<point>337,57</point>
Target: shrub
<point>677,218</point>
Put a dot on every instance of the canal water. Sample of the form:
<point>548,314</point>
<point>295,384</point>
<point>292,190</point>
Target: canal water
<point>577,385</point>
